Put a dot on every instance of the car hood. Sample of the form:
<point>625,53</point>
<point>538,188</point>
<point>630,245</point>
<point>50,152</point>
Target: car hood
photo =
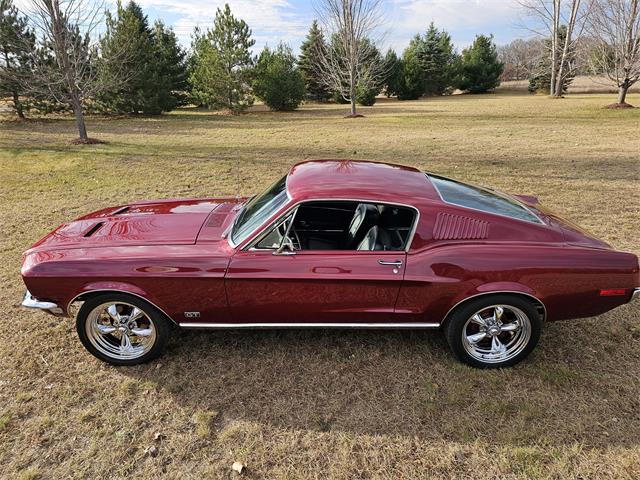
<point>157,222</point>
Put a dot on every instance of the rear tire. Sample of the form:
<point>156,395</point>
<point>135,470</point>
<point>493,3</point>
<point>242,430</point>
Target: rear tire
<point>494,331</point>
<point>122,329</point>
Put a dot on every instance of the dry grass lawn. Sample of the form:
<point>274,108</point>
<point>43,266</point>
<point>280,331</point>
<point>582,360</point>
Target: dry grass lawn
<point>322,404</point>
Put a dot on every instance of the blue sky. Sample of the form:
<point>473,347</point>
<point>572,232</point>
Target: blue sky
<point>288,20</point>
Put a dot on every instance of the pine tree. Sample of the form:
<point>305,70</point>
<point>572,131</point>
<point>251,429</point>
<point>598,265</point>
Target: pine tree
<point>369,88</point>
<point>222,63</point>
<point>128,47</point>
<point>310,53</point>
<point>411,76</point>
<point>149,59</point>
<point>206,73</point>
<point>435,53</point>
<point>540,80</point>
<point>278,81</point>
<point>393,69</point>
<point>17,44</point>
<point>171,68</point>
<point>480,68</point>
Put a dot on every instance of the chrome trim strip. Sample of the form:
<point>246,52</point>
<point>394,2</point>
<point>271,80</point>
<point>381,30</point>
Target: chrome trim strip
<point>252,241</point>
<point>29,301</point>
<point>497,292</point>
<point>635,295</point>
<point>394,325</point>
<point>119,291</point>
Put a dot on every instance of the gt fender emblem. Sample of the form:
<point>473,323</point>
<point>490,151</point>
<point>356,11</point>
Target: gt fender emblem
<point>192,314</point>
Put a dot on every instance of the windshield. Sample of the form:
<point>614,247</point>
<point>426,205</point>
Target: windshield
<point>469,196</point>
<point>258,210</point>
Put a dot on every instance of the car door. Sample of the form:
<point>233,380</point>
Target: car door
<point>309,287</point>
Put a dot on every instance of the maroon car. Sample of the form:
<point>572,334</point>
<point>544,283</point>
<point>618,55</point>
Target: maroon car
<point>332,244</point>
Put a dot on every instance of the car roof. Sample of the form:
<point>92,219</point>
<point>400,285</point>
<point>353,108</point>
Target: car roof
<point>359,180</point>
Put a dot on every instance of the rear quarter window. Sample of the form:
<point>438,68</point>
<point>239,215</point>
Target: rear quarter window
<point>477,198</point>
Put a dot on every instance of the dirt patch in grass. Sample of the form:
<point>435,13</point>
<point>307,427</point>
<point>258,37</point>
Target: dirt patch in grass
<point>88,141</point>
<point>619,106</point>
<point>322,404</point>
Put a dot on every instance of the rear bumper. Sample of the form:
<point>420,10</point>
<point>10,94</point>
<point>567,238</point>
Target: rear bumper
<point>29,301</point>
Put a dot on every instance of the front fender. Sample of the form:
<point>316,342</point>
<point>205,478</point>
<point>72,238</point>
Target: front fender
<point>113,286</point>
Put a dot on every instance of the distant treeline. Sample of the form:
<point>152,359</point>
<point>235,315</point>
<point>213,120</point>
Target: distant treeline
<point>136,67</point>
<point>51,60</point>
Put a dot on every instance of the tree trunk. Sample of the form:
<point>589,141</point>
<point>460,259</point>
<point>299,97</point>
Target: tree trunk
<point>352,93</point>
<point>82,129</point>
<point>554,46</point>
<point>622,93</point>
<point>18,105</point>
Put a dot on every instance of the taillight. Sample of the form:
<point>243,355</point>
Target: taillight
<point>612,292</point>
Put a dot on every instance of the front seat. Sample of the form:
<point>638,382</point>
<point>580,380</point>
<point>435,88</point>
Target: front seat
<point>376,239</point>
<point>365,216</point>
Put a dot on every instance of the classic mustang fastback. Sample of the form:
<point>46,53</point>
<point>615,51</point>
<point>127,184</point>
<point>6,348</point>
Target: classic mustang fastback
<point>342,244</point>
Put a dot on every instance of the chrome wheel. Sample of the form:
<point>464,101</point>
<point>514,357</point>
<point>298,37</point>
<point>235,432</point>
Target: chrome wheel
<point>496,333</point>
<point>120,331</point>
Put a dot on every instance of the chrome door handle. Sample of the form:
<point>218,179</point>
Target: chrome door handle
<point>397,263</point>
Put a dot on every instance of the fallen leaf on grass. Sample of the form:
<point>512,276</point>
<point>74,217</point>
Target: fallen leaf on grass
<point>151,451</point>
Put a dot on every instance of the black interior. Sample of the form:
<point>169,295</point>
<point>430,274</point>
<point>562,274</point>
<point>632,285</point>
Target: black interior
<point>351,226</point>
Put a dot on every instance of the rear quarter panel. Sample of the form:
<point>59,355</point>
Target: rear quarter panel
<point>566,279</point>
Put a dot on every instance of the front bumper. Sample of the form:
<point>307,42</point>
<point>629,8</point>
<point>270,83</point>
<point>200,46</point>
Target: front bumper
<point>29,301</point>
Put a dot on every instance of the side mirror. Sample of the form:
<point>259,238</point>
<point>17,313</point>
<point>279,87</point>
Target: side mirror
<point>284,249</point>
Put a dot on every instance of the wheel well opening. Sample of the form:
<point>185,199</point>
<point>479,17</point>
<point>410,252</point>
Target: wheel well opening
<point>540,308</point>
<point>72,308</point>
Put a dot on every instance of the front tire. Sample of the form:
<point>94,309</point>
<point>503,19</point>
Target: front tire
<point>494,331</point>
<point>121,329</point>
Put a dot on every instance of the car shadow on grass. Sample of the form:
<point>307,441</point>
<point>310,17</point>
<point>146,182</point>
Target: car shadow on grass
<point>407,383</point>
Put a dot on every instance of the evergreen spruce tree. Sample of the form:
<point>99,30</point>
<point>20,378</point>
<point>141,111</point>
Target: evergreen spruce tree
<point>393,69</point>
<point>480,68</point>
<point>435,53</point>
<point>310,52</point>
<point>411,76</point>
<point>277,79</point>
<point>222,63</point>
<point>369,88</point>
<point>540,80</point>
<point>127,51</point>
<point>149,60</point>
<point>17,44</point>
<point>171,68</point>
<point>206,73</point>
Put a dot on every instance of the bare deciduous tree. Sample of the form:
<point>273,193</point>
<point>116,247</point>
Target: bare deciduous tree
<point>520,58</point>
<point>65,67</point>
<point>615,29</point>
<point>551,15</point>
<point>350,60</point>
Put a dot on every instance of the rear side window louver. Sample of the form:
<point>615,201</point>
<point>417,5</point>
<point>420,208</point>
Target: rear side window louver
<point>457,227</point>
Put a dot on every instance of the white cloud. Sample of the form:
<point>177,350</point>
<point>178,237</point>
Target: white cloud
<point>270,20</point>
<point>273,21</point>
<point>463,18</point>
